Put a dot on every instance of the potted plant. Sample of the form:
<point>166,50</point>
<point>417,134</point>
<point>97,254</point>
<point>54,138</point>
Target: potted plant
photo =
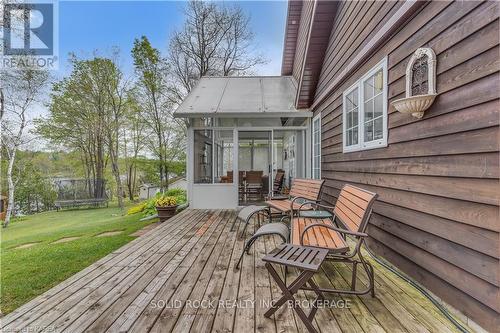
<point>166,207</point>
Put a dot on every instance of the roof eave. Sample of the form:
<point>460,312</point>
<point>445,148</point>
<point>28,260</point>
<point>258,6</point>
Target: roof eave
<point>305,113</point>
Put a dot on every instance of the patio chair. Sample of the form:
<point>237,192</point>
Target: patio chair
<point>241,185</point>
<point>254,184</point>
<point>350,218</point>
<point>230,176</point>
<point>278,182</point>
<point>302,190</point>
<point>351,214</point>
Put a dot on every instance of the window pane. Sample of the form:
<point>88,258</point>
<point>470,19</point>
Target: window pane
<point>354,97</point>
<point>368,110</point>
<point>368,88</point>
<point>202,156</point>
<point>352,116</point>
<point>223,159</point>
<point>369,131</point>
<point>355,118</point>
<point>378,110</point>
<point>378,81</point>
<point>378,128</point>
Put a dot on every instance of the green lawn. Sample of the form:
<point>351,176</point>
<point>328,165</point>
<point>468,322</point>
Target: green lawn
<point>27,273</point>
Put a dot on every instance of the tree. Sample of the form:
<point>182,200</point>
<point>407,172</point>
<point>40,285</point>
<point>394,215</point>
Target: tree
<point>167,139</point>
<point>133,142</point>
<point>34,192</point>
<point>115,112</point>
<point>22,90</point>
<point>87,112</point>
<point>215,40</point>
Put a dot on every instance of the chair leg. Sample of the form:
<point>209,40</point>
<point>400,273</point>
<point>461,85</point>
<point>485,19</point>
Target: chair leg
<point>353,277</point>
<point>246,249</point>
<point>369,272</point>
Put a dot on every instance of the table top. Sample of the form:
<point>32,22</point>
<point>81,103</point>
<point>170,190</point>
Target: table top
<point>303,257</point>
<point>316,214</point>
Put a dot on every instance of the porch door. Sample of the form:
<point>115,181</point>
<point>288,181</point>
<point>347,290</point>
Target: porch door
<point>255,156</point>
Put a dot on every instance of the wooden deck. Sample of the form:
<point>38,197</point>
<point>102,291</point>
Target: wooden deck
<point>191,258</point>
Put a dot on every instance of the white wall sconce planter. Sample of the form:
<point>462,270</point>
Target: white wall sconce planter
<point>420,84</point>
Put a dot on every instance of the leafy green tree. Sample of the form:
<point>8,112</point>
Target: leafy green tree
<point>167,139</point>
<point>35,192</point>
<point>87,112</point>
<point>22,89</point>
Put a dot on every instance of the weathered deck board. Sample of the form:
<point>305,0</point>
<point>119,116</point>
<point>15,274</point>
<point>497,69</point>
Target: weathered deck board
<point>191,258</point>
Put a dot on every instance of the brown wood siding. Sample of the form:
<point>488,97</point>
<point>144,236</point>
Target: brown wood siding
<point>315,51</point>
<point>291,33</point>
<point>437,216</point>
<point>303,34</point>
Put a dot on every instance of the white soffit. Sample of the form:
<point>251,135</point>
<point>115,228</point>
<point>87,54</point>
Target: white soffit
<point>272,96</point>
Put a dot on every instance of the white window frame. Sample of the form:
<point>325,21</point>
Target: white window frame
<point>362,145</point>
<point>313,166</point>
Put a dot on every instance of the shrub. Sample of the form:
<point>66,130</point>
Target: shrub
<point>137,208</point>
<point>150,205</point>
<point>175,192</point>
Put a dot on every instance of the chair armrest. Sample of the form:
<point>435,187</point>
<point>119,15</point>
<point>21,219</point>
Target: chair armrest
<point>322,225</point>
<point>317,204</point>
<point>306,201</point>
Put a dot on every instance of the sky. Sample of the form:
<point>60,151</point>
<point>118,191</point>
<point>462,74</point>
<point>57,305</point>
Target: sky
<point>86,26</point>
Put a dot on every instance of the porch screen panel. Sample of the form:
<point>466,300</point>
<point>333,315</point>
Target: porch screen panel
<point>213,156</point>
<point>203,150</point>
<point>223,156</point>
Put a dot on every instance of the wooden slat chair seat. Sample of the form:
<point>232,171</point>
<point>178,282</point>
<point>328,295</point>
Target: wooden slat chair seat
<point>318,237</point>
<point>350,218</point>
<point>302,190</point>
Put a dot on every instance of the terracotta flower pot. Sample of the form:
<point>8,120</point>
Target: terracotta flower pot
<point>164,213</point>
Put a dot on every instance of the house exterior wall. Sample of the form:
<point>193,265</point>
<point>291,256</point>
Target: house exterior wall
<point>437,216</point>
<point>303,34</point>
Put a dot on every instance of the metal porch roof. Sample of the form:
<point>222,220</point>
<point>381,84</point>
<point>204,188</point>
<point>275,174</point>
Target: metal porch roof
<point>262,96</point>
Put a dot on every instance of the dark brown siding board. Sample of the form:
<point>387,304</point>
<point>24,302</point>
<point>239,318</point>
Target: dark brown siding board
<point>478,215</point>
<point>433,27</point>
<point>426,13</point>
<point>478,239</point>
<point>478,288</point>
<point>485,190</point>
<point>472,118</point>
<point>461,301</point>
<point>438,178</point>
<point>321,24</point>
<point>468,28</point>
<point>480,165</point>
<point>478,141</point>
<point>477,92</point>
<point>469,71</point>
<point>475,263</point>
<point>360,33</point>
<point>291,34</point>
<point>303,32</point>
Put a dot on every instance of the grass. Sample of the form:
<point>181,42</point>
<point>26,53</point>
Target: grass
<point>28,272</point>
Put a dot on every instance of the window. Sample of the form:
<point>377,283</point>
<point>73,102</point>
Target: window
<point>365,111</point>
<point>316,147</point>
<point>213,156</point>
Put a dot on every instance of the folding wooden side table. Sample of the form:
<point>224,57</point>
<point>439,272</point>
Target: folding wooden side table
<point>308,260</point>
